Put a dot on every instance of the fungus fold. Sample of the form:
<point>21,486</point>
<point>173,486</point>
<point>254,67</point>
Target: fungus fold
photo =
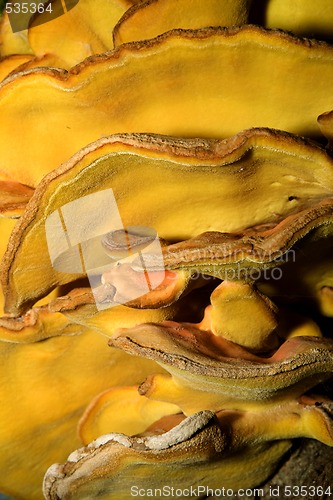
<point>161,86</point>
<point>166,210</point>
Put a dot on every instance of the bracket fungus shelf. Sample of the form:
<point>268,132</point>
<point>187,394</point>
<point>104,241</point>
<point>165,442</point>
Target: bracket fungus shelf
<point>166,216</point>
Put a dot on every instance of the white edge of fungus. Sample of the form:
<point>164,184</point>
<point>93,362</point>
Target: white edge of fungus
<point>182,432</point>
<point>178,434</point>
<point>54,472</point>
